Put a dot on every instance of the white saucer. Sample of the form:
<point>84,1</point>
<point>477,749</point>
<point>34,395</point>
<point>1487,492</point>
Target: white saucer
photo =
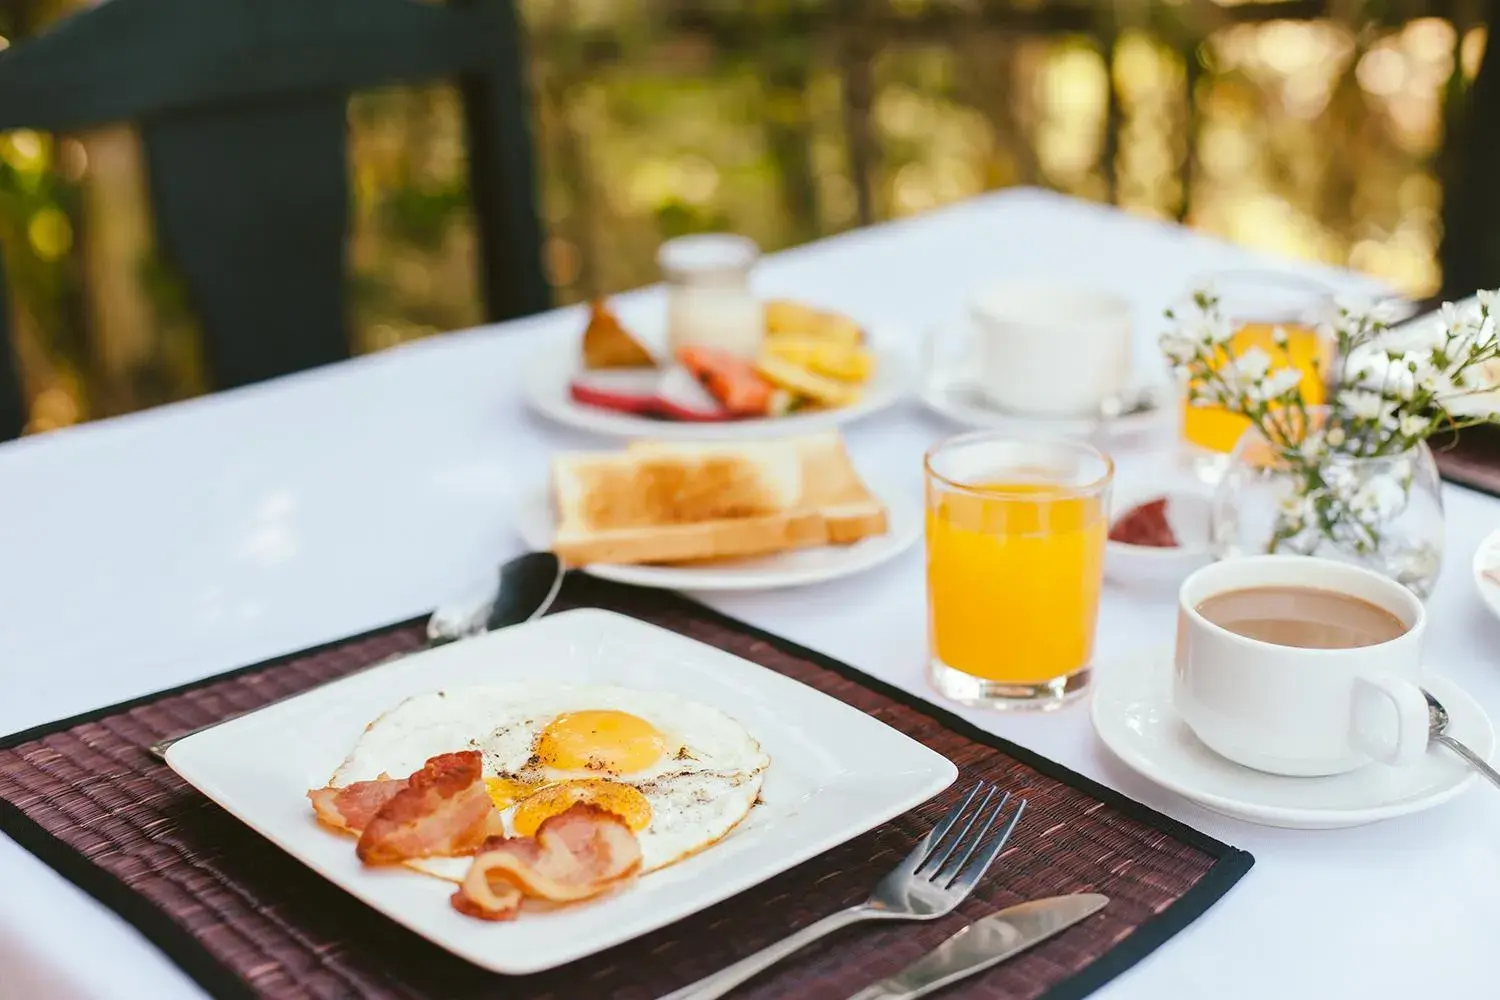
<point>1132,713</point>
<point>952,393</point>
<point>798,568</point>
<point>545,390</point>
<point>1487,560</point>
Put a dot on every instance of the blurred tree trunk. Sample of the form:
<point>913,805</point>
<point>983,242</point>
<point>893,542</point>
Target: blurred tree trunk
<point>856,57</point>
<point>785,57</point>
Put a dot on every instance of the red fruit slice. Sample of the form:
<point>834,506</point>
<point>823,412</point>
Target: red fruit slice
<point>733,381</point>
<point>624,390</point>
<point>670,395</point>
<point>679,396</point>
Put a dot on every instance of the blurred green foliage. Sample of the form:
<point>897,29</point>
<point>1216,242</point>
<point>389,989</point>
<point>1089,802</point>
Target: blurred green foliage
<point>1317,136</point>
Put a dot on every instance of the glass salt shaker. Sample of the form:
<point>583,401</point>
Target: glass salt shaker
<point>709,301</point>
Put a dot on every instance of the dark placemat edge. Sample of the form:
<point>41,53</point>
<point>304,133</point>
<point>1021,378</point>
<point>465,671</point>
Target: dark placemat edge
<point>1472,485</point>
<point>219,981</point>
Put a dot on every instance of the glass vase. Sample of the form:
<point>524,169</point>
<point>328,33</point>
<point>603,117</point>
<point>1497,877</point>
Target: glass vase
<point>1384,512</point>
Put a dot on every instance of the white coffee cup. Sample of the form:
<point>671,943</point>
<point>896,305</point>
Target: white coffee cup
<point>1050,349</point>
<point>1295,711</point>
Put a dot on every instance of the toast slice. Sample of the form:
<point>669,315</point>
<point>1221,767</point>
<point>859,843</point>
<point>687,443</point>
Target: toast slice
<point>830,483</point>
<point>681,505</point>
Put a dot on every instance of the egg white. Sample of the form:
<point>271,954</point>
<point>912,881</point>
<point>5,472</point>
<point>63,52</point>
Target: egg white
<point>697,793</point>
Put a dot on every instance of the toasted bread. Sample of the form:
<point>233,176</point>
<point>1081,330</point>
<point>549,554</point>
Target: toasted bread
<point>607,344</point>
<point>681,505</point>
<point>830,484</point>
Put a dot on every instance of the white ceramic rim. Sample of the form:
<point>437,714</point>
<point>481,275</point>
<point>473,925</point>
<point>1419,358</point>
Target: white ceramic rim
<point>1414,623</point>
<point>1090,305</point>
<point>1488,592</point>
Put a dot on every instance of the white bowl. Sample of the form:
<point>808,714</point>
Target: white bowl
<point>1150,566</point>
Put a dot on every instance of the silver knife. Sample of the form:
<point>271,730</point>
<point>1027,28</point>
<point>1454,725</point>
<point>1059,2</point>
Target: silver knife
<point>985,942</point>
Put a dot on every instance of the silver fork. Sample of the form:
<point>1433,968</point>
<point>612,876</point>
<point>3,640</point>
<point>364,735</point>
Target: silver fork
<point>930,882</point>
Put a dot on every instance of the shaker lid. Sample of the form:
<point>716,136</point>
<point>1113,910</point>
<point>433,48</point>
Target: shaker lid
<point>706,253</point>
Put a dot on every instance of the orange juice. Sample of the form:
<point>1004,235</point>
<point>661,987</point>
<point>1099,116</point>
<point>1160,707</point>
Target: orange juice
<point>1215,429</point>
<point>1013,577</point>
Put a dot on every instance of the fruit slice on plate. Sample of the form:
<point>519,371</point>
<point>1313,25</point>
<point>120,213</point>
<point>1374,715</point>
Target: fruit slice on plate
<point>679,396</point>
<point>820,389</point>
<point>823,357</point>
<point>672,394</point>
<point>793,319</point>
<point>734,382</point>
<point>607,344</point>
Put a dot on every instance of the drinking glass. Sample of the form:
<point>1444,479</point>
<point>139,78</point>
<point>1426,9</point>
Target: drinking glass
<point>1015,563</point>
<point>1257,304</point>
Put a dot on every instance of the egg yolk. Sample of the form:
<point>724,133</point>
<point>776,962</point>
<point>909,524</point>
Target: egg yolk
<point>506,792</point>
<point>600,740</point>
<point>623,800</point>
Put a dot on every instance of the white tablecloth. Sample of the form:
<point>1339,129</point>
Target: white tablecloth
<point>147,551</point>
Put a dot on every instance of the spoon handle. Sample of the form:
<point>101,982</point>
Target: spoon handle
<point>1480,764</point>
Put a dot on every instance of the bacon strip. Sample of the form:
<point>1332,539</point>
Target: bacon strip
<point>576,854</point>
<point>444,810</point>
<point>352,807</point>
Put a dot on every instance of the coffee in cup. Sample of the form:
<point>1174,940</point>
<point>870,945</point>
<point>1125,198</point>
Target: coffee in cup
<point>1300,666</point>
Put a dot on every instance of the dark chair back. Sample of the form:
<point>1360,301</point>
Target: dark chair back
<point>243,110</point>
<point>1470,250</point>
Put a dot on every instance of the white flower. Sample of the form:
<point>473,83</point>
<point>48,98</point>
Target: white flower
<point>1363,404</point>
<point>1298,508</point>
<point>1414,426</point>
<point>1316,444</point>
<point>1179,349</point>
<point>1379,499</point>
<point>1335,437</point>
<point>1251,366</point>
<point>1487,299</point>
<point>1428,377</point>
<point>1280,383</point>
<point>1385,312</point>
<point>1215,329</point>
<point>1461,324</point>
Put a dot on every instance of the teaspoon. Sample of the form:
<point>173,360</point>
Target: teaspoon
<point>1437,723</point>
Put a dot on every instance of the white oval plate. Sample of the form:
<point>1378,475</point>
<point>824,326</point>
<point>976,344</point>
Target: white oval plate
<point>1133,715</point>
<point>797,568</point>
<point>1487,560</point>
<point>545,389</point>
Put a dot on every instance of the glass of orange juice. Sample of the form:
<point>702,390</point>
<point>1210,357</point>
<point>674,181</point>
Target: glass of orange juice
<point>1015,562</point>
<point>1257,305</point>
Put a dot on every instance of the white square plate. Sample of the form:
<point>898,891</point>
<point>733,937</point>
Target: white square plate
<point>835,773</point>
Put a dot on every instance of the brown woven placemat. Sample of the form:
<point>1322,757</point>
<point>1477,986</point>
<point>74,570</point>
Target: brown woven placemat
<point>1472,460</point>
<point>246,920</point>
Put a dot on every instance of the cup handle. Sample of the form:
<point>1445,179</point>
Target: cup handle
<point>1411,721</point>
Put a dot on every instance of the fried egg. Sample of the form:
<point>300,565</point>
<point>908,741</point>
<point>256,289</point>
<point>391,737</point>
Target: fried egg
<point>680,774</point>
